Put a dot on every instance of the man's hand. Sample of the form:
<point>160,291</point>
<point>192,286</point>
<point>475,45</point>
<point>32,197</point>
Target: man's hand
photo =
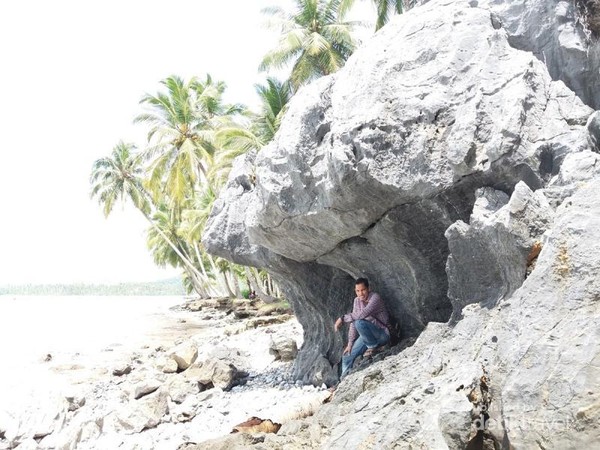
<point>347,349</point>
<point>338,324</point>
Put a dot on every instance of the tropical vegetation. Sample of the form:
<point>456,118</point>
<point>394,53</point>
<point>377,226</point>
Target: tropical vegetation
<point>193,136</point>
<point>315,39</point>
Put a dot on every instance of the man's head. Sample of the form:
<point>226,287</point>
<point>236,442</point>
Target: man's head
<point>361,288</point>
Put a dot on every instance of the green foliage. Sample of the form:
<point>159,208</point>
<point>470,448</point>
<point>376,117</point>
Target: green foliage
<point>193,137</point>
<point>314,39</point>
<point>385,9</point>
<point>118,177</point>
<point>181,140</point>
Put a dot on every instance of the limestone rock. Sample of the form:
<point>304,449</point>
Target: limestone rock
<point>179,388</point>
<point>553,31</point>
<point>373,164</point>
<point>37,418</point>
<point>167,365</point>
<point>283,348</point>
<point>138,415</point>
<point>495,245</point>
<point>143,387</point>
<point>122,369</point>
<point>184,354</point>
<point>212,372</point>
<point>593,126</point>
<point>517,375</point>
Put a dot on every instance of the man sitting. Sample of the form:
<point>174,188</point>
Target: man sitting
<point>368,325</point>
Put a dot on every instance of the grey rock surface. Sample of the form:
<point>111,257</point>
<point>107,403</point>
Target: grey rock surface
<point>553,31</point>
<point>283,348</point>
<point>494,245</point>
<point>372,165</point>
<point>184,355</point>
<point>212,373</point>
<point>525,373</point>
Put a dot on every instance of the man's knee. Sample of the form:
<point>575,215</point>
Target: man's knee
<point>361,325</point>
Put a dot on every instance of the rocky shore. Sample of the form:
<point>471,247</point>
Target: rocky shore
<point>238,366</point>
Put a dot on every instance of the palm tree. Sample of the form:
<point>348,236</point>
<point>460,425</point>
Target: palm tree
<point>182,123</point>
<point>241,138</point>
<point>385,9</point>
<point>193,219</point>
<point>118,178</point>
<point>164,254</point>
<point>274,97</point>
<point>314,38</point>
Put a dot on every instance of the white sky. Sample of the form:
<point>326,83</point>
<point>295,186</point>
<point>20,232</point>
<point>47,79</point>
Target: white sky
<point>72,73</point>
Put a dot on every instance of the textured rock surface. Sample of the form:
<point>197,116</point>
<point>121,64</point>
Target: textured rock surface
<point>283,348</point>
<point>212,373</point>
<point>494,245</point>
<point>371,167</point>
<point>552,30</point>
<point>184,355</point>
<point>538,351</point>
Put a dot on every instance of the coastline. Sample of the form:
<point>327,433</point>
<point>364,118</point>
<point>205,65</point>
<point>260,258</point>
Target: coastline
<point>80,389</point>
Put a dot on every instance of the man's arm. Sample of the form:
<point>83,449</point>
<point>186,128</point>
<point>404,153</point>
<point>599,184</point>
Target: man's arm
<point>351,331</point>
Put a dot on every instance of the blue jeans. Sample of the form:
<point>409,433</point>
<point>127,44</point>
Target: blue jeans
<point>369,336</point>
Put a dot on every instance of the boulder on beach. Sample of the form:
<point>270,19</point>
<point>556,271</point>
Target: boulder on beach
<point>212,373</point>
<point>284,348</point>
<point>184,354</point>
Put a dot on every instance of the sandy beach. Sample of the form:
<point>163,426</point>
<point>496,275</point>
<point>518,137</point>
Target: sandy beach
<point>57,348</point>
<point>82,335</point>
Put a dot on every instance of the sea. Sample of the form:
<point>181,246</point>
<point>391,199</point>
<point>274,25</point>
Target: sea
<point>67,341</point>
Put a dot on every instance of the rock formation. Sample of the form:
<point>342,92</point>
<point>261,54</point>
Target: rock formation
<point>453,143</point>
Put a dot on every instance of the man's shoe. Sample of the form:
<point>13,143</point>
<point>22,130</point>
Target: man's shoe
<point>373,351</point>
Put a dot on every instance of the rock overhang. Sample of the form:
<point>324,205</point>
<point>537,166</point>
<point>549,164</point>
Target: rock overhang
<point>373,164</point>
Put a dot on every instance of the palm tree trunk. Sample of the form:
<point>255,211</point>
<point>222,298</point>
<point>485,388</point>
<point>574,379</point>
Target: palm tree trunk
<point>209,288</point>
<point>236,284</point>
<point>225,289</point>
<point>197,284</point>
<point>184,260</point>
<point>230,293</point>
<point>256,285</point>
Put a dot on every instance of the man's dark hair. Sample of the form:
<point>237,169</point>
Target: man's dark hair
<point>362,281</point>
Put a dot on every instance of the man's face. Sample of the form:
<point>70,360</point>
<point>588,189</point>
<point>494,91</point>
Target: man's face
<point>362,292</point>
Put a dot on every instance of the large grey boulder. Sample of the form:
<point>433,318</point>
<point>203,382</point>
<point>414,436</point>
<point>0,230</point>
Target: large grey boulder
<point>284,348</point>
<point>372,165</point>
<point>184,354</point>
<point>494,246</point>
<point>535,355</point>
<point>34,418</point>
<point>553,31</point>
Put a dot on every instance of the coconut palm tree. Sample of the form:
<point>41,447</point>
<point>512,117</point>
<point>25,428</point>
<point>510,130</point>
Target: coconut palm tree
<point>255,133</point>
<point>274,98</point>
<point>182,124</point>
<point>385,9</point>
<point>193,219</point>
<point>314,39</point>
<point>166,223</point>
<point>118,177</point>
